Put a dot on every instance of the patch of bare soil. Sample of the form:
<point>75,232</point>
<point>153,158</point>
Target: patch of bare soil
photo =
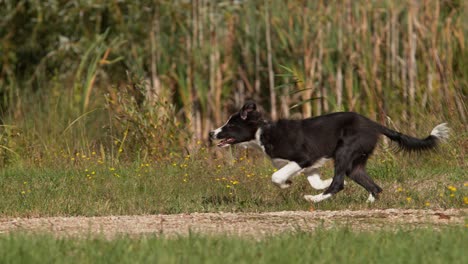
<point>250,224</point>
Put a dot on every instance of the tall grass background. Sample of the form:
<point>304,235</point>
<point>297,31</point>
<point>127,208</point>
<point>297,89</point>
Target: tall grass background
<point>139,80</point>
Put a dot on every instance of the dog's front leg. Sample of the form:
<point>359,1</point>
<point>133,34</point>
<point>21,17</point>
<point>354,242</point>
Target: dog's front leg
<point>281,177</point>
<point>317,183</point>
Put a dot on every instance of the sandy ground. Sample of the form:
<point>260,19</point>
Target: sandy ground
<point>254,224</point>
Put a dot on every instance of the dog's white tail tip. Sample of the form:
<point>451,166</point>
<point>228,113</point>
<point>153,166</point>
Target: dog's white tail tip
<point>441,131</point>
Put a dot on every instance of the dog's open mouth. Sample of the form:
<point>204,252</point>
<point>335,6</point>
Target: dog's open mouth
<point>226,142</point>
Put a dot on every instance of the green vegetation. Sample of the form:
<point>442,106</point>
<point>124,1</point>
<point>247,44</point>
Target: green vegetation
<point>202,183</point>
<point>78,76</point>
<point>447,245</point>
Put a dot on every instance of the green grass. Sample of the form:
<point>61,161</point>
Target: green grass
<point>87,185</point>
<point>447,245</point>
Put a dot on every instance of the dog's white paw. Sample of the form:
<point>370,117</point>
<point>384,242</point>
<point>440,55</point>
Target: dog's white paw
<point>371,198</point>
<point>317,198</point>
<point>317,183</point>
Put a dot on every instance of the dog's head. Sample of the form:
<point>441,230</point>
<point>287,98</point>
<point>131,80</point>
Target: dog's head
<point>241,126</point>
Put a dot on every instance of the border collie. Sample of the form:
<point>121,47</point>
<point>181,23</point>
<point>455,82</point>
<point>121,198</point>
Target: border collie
<point>297,146</point>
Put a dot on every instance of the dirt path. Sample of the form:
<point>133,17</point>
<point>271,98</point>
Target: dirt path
<point>255,224</point>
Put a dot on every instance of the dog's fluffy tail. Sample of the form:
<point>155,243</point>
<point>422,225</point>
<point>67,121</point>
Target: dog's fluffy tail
<point>408,143</point>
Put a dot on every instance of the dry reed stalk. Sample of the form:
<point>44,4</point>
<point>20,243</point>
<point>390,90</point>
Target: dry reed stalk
<point>155,89</point>
<point>339,71</point>
<point>271,78</point>
<point>351,56</point>
<point>412,82</point>
<point>377,83</point>
<point>319,67</point>
<point>309,68</point>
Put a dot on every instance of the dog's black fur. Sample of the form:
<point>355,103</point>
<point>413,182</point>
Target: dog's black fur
<point>346,137</point>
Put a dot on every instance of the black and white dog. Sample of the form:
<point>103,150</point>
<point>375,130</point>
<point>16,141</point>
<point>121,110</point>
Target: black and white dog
<point>296,146</point>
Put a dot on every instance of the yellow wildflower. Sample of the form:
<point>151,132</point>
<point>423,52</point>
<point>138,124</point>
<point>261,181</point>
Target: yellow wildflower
<point>465,200</point>
<point>408,199</point>
<point>452,188</point>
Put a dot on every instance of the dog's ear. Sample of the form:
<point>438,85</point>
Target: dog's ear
<point>247,108</point>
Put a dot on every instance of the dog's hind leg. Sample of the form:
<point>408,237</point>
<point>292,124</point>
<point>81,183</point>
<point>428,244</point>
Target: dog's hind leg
<point>360,176</point>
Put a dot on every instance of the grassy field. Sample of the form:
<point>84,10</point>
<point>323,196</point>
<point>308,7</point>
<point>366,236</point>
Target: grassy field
<point>447,245</point>
<point>238,181</point>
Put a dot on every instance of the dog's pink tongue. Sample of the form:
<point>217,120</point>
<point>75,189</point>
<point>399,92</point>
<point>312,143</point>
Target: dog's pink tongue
<point>225,142</point>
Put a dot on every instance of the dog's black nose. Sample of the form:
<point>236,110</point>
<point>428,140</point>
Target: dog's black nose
<point>211,134</point>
